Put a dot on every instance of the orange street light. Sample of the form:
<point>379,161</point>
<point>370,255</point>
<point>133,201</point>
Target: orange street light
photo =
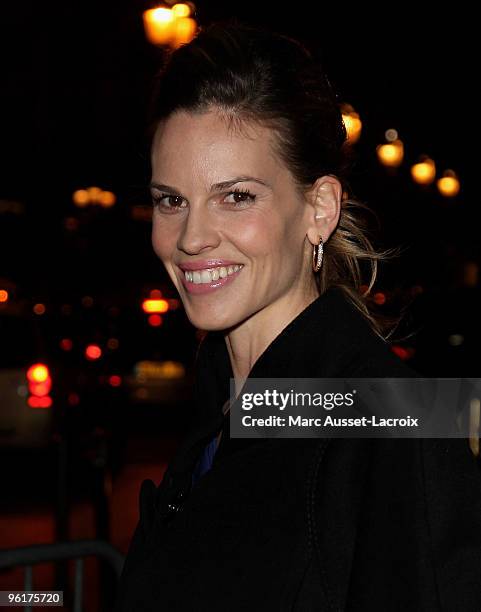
<point>448,185</point>
<point>424,172</point>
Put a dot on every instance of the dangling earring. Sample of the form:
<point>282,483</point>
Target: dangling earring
<point>317,257</point>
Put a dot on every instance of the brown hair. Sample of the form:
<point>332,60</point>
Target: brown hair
<point>253,74</point>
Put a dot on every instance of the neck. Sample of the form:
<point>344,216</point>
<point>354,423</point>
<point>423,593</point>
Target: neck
<point>247,341</point>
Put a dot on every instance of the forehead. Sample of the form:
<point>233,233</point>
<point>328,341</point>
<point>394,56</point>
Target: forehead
<point>212,148</point>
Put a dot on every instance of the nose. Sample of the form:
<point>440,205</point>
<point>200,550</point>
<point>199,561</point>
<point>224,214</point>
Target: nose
<point>199,232</point>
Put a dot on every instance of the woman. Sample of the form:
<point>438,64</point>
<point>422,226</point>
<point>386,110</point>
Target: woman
<point>248,183</point>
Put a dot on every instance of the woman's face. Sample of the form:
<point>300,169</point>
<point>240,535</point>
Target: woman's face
<point>200,228</point>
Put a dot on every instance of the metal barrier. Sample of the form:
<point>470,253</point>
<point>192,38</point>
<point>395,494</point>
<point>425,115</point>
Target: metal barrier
<point>28,556</point>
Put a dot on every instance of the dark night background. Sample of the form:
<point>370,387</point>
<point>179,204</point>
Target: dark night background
<point>75,83</point>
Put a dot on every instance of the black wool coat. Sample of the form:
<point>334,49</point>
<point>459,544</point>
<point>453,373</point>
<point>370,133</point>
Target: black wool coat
<point>308,524</point>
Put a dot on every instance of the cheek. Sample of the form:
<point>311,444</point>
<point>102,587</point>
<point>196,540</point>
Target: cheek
<point>163,239</point>
<point>258,236</point>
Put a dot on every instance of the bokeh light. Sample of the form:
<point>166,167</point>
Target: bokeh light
<point>93,351</point>
<point>449,185</point>
<point>39,309</point>
<point>424,172</point>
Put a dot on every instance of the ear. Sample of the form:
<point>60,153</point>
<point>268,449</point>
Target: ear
<point>324,205</point>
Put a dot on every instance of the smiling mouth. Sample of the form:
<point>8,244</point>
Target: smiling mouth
<point>210,275</point>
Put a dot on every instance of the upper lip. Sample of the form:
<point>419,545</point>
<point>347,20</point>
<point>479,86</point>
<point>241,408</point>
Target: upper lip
<point>201,264</point>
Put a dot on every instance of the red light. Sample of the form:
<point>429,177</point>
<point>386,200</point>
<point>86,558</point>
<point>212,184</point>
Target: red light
<point>39,402</point>
<point>155,294</point>
<point>66,344</point>
<point>379,298</point>
<point>40,389</point>
<point>39,309</point>
<point>115,381</point>
<point>401,352</point>
<point>155,320</point>
<point>73,399</point>
<point>38,373</point>
<point>93,351</point>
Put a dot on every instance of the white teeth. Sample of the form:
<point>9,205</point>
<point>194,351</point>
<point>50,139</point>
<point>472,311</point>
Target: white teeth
<point>212,274</point>
<point>205,276</point>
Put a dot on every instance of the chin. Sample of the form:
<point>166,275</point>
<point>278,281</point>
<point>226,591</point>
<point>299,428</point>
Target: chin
<point>209,320</point>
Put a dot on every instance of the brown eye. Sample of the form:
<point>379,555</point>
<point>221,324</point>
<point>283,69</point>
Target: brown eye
<point>166,202</point>
<point>241,196</point>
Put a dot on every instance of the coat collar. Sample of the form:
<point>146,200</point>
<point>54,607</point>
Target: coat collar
<point>329,338</point>
<point>304,348</point>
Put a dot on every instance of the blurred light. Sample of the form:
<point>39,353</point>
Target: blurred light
<point>151,370</point>
<point>107,199</point>
<point>81,198</point>
<point>158,25</point>
<point>39,389</point>
<point>155,320</point>
<point>456,339</point>
<point>391,135</point>
<point>471,274</point>
<point>112,344</point>
<point>173,304</point>
<point>11,206</point>
<point>142,212</point>
<point>39,385</point>
<point>424,172</point>
<point>73,399</point>
<point>3,296</point>
<point>142,393</point>
<point>71,224</point>
<point>87,301</point>
<point>115,381</point>
<point>448,185</point>
<point>181,10</point>
<point>66,309</point>
<point>416,290</point>
<point>93,351</point>
<point>352,122</point>
<point>39,402</point>
<point>155,294</point>
<point>94,194</point>
<point>38,373</point>
<point>172,369</point>
<point>114,311</point>
<point>400,351</point>
<point>66,344</point>
<point>391,154</point>
<point>184,31</point>
<point>157,306</point>
<point>363,289</point>
<point>379,298</point>
<point>39,309</point>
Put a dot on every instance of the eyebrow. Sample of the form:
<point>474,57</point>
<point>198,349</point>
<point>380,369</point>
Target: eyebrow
<point>215,187</point>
